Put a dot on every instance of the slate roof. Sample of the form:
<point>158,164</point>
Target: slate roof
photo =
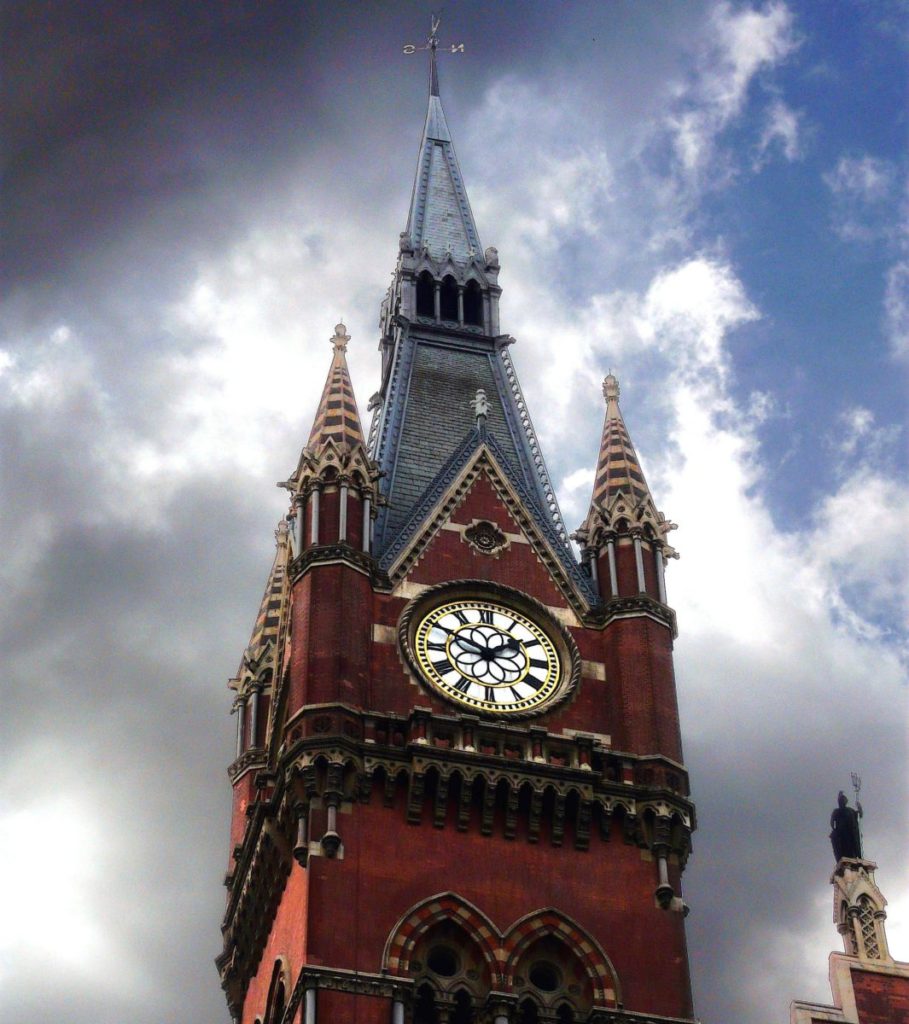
<point>425,405</point>
<point>442,383</point>
<point>440,219</point>
<point>337,417</point>
<point>447,473</point>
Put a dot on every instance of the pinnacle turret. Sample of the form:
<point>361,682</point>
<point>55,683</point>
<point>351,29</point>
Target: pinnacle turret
<point>622,513</point>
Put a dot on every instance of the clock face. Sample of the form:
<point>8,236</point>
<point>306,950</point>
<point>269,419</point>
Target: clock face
<point>487,656</point>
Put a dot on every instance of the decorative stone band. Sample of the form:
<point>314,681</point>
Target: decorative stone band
<point>323,554</point>
<point>633,607</point>
<point>254,758</point>
<point>638,799</point>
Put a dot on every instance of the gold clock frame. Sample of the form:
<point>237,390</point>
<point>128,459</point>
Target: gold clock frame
<point>444,594</point>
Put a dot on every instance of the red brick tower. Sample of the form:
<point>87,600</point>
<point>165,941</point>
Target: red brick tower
<point>459,788</point>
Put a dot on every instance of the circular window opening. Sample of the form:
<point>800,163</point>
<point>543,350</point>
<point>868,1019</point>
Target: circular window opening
<point>443,961</point>
<point>545,977</point>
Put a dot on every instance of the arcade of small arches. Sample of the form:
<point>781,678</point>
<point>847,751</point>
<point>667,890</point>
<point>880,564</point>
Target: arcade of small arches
<point>447,300</point>
<point>447,963</point>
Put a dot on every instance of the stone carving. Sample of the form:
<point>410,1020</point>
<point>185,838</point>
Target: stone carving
<point>845,835</point>
<point>485,537</point>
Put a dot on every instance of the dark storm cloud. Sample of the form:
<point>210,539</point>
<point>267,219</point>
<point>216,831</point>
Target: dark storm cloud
<point>143,144</point>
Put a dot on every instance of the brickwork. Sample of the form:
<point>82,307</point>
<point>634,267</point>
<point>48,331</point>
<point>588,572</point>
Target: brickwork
<point>881,998</point>
<point>374,816</point>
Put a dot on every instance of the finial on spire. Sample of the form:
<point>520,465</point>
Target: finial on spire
<point>432,44</point>
<point>610,388</point>
<point>340,338</point>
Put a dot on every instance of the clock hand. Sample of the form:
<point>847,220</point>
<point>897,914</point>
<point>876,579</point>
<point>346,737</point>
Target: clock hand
<point>464,642</point>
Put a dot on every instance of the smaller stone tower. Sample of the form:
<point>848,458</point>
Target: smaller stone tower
<point>868,985</point>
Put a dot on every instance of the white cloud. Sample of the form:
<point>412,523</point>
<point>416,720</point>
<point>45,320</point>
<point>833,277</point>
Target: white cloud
<point>781,132</point>
<point>865,177</point>
<point>741,43</point>
<point>896,308</point>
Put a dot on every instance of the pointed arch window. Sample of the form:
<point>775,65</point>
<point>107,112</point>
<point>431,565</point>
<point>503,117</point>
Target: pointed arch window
<point>426,287</point>
<point>473,305</point>
<point>868,926</point>
<point>448,299</point>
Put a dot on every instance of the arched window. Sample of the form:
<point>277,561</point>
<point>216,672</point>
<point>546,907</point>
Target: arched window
<point>424,1006</point>
<point>868,924</point>
<point>554,981</point>
<point>449,970</point>
<point>448,304</point>
<point>473,304</point>
<point>426,289</point>
<point>528,1012</point>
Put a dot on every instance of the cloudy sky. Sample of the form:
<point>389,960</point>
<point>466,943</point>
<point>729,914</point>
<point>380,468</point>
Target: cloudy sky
<point>708,198</point>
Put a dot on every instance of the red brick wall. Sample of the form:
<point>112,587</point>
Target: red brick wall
<point>880,998</point>
<point>287,940</point>
<point>389,865</point>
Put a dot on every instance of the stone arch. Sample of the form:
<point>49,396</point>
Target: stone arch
<point>422,916</point>
<point>473,304</point>
<point>551,922</point>
<point>426,287</point>
<point>278,989</point>
<point>448,298</point>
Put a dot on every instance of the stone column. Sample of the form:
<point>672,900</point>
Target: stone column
<point>437,301</point>
<point>639,564</point>
<point>299,524</point>
<point>367,525</point>
<point>460,305</point>
<point>241,723</point>
<point>660,574</point>
<point>309,1006</point>
<point>613,576</point>
<point>314,515</point>
<point>254,715</point>
<point>342,514</point>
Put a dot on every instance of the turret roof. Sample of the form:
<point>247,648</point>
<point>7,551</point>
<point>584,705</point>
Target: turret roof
<point>337,418</point>
<point>264,636</point>
<point>618,468</point>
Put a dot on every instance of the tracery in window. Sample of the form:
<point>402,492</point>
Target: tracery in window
<point>553,982</point>
<point>450,974</point>
<point>868,925</point>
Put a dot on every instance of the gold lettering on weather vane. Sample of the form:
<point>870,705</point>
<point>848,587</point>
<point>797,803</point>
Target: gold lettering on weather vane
<point>432,43</point>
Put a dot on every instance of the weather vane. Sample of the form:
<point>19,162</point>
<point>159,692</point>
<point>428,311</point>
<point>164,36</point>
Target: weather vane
<point>432,43</point>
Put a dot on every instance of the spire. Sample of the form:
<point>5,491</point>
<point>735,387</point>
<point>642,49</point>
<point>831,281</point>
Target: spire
<point>337,418</point>
<point>617,467</point>
<point>620,492</point>
<point>440,220</point>
<point>265,632</point>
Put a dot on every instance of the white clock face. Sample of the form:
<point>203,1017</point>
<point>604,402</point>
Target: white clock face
<point>487,656</point>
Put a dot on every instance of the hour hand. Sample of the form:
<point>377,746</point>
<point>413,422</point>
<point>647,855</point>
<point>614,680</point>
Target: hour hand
<point>465,643</point>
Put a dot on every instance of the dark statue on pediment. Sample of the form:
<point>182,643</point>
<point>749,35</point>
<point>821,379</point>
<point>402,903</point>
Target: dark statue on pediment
<point>845,835</point>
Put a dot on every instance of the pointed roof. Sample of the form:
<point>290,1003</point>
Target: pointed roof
<point>337,418</point>
<point>618,469</point>
<point>440,220</point>
<point>268,622</point>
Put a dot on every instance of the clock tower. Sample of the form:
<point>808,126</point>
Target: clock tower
<point>459,792</point>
